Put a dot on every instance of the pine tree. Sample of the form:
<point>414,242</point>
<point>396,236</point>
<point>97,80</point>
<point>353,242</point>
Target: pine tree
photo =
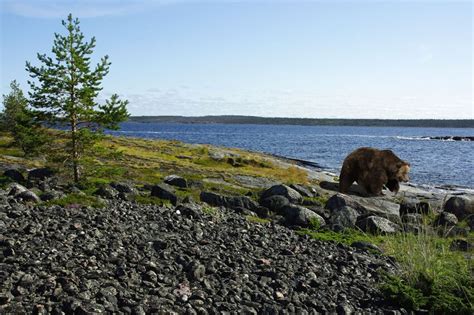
<point>14,104</point>
<point>17,119</point>
<point>66,87</point>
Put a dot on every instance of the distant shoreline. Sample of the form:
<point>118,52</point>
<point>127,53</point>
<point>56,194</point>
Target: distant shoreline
<point>425,123</point>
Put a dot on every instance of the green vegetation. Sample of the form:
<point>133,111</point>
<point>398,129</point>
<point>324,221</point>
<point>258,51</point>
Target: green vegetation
<point>150,200</point>
<point>432,276</point>
<point>212,211</point>
<point>322,200</point>
<point>64,88</point>
<point>27,133</point>
<point>256,219</point>
<point>76,200</point>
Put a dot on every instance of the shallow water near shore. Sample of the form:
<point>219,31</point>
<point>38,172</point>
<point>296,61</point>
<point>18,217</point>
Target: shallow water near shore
<point>434,162</point>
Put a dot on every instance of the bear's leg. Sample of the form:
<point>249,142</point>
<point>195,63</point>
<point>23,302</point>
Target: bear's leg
<point>345,181</point>
<point>393,185</point>
<point>375,183</point>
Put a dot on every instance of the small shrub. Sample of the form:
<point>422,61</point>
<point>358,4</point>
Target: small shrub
<point>314,224</point>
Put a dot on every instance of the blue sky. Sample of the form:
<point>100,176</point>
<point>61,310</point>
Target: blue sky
<point>321,59</point>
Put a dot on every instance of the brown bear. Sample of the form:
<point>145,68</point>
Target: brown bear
<point>373,169</point>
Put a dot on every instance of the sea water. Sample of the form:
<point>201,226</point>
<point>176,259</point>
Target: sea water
<point>433,162</point>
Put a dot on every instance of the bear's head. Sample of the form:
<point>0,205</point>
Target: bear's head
<point>402,171</point>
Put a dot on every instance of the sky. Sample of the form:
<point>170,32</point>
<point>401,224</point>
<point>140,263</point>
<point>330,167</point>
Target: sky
<point>313,59</point>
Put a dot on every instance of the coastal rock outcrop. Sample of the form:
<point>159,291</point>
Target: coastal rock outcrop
<point>366,206</point>
<point>232,202</point>
<point>282,190</point>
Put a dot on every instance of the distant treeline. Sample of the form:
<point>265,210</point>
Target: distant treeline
<point>440,123</point>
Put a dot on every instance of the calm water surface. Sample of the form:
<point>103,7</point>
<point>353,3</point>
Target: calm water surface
<point>433,162</point>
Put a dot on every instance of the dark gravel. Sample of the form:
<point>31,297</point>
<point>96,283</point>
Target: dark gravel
<point>137,259</point>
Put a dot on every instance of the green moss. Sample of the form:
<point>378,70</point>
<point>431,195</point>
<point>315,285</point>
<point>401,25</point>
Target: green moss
<point>76,200</point>
<point>256,219</point>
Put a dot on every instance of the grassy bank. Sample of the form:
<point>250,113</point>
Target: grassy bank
<point>142,162</point>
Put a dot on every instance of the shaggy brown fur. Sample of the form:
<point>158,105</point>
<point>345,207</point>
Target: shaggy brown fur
<point>372,169</point>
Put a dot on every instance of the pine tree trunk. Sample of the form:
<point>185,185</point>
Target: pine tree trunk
<point>75,152</point>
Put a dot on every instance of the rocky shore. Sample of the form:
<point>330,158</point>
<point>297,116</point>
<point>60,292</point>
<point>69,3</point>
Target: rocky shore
<point>220,254</point>
<point>138,259</point>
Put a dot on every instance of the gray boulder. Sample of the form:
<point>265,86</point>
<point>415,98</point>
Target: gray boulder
<point>366,206</point>
<point>51,195</point>
<point>190,210</point>
<point>14,175</point>
<point>300,216</point>
<point>16,189</point>
<point>303,191</point>
<point>232,202</point>
<point>446,219</point>
<point>107,192</point>
<point>175,180</point>
<point>282,190</point>
<point>40,173</point>
<point>414,205</point>
<point>377,225</point>
<point>124,188</point>
<point>28,196</point>
<point>461,206</point>
<point>166,192</point>
<point>344,217</point>
<point>412,218</point>
<point>275,203</point>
